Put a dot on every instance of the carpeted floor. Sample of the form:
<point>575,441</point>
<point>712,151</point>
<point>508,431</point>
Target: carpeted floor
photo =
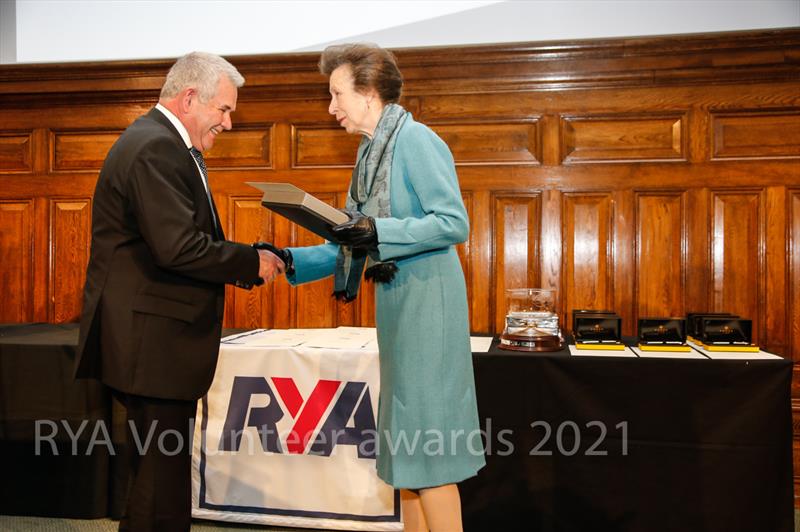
<point>12,523</point>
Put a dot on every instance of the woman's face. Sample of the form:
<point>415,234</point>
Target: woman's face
<point>355,112</point>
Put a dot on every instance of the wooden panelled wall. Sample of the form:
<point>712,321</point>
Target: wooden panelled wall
<point>651,176</point>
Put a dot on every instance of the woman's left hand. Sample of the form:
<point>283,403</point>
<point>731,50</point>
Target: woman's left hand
<point>358,232</point>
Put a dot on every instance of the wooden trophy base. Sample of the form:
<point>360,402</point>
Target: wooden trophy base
<point>521,342</point>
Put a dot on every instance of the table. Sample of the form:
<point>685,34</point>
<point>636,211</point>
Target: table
<point>700,445</point>
<point>690,444</point>
<point>285,435</point>
<point>36,364</point>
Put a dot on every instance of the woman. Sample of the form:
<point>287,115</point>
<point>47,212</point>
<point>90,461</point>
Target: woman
<point>406,215</point>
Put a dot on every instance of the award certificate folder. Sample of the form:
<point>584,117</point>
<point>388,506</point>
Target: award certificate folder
<point>301,207</point>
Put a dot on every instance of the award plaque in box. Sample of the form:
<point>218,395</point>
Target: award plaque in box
<point>662,334</point>
<point>580,312</point>
<point>726,331</point>
<point>598,331</point>
<point>301,207</point>
<point>531,321</point>
<point>694,319</point>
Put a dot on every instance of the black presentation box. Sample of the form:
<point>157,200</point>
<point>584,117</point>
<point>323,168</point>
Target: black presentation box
<point>597,328</point>
<point>693,321</point>
<point>662,331</point>
<point>724,330</point>
<point>301,207</point>
<point>576,312</point>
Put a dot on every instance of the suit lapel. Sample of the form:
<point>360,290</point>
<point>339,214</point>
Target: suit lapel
<point>158,116</point>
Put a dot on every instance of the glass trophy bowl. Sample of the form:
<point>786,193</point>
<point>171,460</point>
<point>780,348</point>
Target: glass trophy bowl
<point>531,321</point>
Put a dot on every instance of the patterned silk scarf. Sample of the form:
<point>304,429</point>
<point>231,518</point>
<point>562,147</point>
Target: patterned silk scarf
<point>369,194</point>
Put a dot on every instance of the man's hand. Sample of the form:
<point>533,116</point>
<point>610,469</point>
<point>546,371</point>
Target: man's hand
<point>284,256</point>
<point>269,265</point>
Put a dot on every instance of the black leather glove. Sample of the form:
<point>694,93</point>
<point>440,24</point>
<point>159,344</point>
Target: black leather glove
<point>284,254</point>
<point>358,232</point>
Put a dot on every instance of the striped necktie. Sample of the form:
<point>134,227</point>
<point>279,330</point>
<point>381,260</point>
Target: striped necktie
<point>202,164</point>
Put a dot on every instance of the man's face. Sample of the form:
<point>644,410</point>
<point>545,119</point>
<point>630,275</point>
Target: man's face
<point>204,121</point>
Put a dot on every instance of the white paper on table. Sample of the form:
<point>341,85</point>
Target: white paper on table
<point>339,338</point>
<point>270,338</point>
<point>372,345</point>
<point>669,354</point>
<point>734,355</point>
<point>574,351</point>
<point>480,344</point>
<point>240,338</point>
<point>370,332</point>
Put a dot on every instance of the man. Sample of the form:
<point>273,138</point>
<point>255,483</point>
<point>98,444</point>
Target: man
<point>154,294</point>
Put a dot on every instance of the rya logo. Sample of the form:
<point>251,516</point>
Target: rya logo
<point>353,403</point>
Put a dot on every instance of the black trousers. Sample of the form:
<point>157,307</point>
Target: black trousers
<point>158,447</point>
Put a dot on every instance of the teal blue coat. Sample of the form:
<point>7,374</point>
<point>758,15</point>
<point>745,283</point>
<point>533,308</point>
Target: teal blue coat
<point>427,415</point>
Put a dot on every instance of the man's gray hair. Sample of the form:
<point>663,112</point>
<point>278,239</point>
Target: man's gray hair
<point>202,71</point>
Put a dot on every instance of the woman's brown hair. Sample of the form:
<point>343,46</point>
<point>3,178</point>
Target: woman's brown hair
<point>372,68</point>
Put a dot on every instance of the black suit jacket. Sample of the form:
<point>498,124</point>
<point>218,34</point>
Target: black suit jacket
<point>154,294</point>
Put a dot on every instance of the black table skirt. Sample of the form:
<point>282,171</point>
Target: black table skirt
<point>573,444</point>
<point>632,444</point>
<point>36,384</point>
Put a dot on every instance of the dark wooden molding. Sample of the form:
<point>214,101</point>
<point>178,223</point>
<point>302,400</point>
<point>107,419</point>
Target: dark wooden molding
<point>725,57</point>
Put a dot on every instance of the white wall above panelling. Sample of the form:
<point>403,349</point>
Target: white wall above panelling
<point>546,20</point>
<point>81,30</point>
<point>90,30</point>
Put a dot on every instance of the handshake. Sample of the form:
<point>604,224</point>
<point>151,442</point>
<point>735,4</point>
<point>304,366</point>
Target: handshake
<point>272,261</point>
<point>358,232</point>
